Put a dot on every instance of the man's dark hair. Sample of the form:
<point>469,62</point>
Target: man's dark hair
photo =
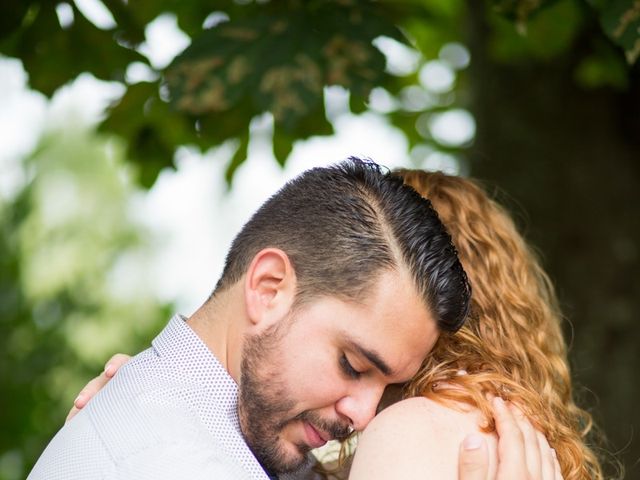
<point>341,226</point>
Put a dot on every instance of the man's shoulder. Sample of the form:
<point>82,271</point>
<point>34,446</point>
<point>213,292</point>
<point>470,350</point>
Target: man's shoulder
<point>175,445</point>
<point>143,448</point>
<point>146,402</point>
<point>159,434</point>
<point>147,377</point>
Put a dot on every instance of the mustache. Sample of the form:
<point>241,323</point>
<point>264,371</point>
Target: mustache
<point>338,430</point>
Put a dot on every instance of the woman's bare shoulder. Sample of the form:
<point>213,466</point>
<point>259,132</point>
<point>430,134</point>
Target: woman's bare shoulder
<point>423,420</point>
<point>415,438</point>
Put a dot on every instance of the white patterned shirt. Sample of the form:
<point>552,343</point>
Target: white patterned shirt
<point>171,412</point>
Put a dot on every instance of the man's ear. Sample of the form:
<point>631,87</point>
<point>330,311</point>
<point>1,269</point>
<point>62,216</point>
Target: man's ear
<point>270,285</point>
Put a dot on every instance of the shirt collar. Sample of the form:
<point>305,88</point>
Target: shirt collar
<point>200,363</point>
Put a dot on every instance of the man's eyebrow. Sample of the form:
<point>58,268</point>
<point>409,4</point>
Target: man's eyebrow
<point>373,357</point>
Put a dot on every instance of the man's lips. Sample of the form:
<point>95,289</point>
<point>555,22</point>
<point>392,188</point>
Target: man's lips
<point>315,438</point>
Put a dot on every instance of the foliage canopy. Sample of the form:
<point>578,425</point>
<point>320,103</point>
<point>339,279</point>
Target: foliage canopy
<point>246,58</point>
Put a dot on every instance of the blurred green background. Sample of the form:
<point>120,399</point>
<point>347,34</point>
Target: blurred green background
<point>538,98</point>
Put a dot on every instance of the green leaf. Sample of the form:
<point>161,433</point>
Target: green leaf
<point>621,21</point>
<point>238,158</point>
<point>282,146</point>
<point>432,24</point>
<point>13,14</point>
<point>606,67</point>
<point>130,29</point>
<point>53,56</point>
<point>519,10</point>
<point>152,129</point>
<point>279,62</point>
<point>357,104</point>
<point>545,34</point>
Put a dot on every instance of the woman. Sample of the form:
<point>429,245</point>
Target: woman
<point>511,346</point>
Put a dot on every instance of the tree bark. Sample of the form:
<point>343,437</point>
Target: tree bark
<point>570,158</point>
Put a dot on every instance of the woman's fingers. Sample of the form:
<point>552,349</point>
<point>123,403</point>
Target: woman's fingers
<point>557,469</point>
<point>473,463</point>
<point>547,457</point>
<point>531,442</point>
<point>523,452</point>
<point>89,390</point>
<point>511,443</point>
<point>94,386</point>
<point>72,413</point>
<point>114,364</point>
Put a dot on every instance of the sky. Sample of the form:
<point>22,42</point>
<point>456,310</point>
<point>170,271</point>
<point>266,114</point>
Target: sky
<point>190,208</point>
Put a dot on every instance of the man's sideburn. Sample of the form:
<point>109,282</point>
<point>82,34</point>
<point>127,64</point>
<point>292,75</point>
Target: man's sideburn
<point>266,406</point>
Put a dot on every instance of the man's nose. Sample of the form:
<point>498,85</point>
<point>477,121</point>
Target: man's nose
<point>360,405</point>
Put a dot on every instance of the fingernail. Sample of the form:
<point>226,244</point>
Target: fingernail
<point>78,400</point>
<point>472,442</point>
<point>498,402</point>
<point>108,370</point>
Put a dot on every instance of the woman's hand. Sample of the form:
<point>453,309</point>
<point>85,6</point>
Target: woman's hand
<point>94,386</point>
<point>523,452</point>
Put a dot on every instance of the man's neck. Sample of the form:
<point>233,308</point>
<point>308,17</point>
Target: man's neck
<point>219,324</point>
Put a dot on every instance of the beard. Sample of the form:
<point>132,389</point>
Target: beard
<point>265,405</point>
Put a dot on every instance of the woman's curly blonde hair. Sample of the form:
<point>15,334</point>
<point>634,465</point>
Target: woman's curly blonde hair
<point>511,344</point>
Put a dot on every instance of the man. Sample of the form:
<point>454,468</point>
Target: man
<point>337,287</point>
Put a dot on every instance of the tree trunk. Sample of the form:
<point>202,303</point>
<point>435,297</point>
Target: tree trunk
<point>570,158</point>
